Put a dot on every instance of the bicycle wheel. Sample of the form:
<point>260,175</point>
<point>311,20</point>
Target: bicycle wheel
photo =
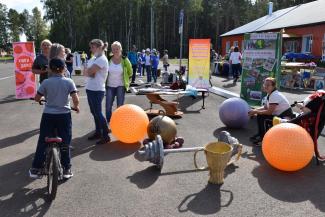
<point>53,173</point>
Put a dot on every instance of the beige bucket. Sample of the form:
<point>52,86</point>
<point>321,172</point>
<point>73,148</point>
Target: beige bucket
<point>218,156</point>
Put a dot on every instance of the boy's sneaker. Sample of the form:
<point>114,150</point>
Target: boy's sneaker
<point>67,174</point>
<point>35,173</point>
<point>94,136</point>
<point>103,141</point>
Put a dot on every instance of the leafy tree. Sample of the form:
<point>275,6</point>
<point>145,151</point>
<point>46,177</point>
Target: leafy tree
<point>3,27</point>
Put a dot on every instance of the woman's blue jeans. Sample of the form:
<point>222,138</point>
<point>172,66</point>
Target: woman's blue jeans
<point>95,99</point>
<point>111,93</point>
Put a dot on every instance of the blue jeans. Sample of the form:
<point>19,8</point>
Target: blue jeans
<point>95,99</point>
<point>154,74</point>
<point>111,93</point>
<point>235,70</point>
<point>134,67</point>
<point>53,125</point>
<point>70,69</point>
<point>148,71</point>
<point>143,69</point>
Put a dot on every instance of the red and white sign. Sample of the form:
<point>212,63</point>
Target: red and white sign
<point>24,55</point>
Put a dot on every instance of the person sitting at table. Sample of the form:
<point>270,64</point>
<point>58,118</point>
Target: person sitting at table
<point>276,105</point>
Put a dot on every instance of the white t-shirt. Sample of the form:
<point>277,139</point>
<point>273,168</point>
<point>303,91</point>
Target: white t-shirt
<point>97,83</point>
<point>235,57</point>
<point>148,63</point>
<point>280,100</point>
<point>115,75</point>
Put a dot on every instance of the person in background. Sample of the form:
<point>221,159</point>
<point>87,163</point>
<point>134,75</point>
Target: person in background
<point>41,62</point>
<point>154,65</point>
<point>58,51</point>
<point>139,63</point>
<point>96,75</point>
<point>143,62</point>
<point>132,56</point>
<point>56,117</point>
<point>165,60</point>
<point>69,60</point>
<point>276,105</point>
<point>235,62</point>
<point>118,81</point>
<point>148,64</point>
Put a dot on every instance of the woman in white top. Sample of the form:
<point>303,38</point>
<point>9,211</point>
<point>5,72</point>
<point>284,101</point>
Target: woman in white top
<point>276,105</point>
<point>96,74</point>
<point>118,81</point>
<point>235,60</point>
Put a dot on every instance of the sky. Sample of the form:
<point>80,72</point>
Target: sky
<point>20,5</point>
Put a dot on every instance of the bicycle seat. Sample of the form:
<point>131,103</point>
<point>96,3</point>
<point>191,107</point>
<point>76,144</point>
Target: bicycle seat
<point>53,140</point>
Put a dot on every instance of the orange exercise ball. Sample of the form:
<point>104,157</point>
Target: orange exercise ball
<point>129,123</point>
<point>288,147</point>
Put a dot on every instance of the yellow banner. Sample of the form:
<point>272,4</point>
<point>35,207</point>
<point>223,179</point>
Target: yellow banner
<point>199,63</point>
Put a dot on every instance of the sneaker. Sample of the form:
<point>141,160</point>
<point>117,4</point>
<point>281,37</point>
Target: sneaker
<point>95,136</point>
<point>67,174</point>
<point>35,173</point>
<point>103,141</point>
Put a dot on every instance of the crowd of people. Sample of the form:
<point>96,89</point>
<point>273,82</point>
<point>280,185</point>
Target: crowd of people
<point>106,74</point>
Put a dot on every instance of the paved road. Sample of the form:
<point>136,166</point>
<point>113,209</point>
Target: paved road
<point>108,180</point>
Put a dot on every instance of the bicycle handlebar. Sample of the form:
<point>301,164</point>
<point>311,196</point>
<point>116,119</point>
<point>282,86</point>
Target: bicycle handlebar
<point>42,101</point>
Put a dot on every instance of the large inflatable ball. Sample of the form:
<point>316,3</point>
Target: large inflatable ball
<point>233,113</point>
<point>164,126</point>
<point>288,147</point>
<point>129,123</point>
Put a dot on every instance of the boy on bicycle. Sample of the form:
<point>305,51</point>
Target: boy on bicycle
<point>56,118</point>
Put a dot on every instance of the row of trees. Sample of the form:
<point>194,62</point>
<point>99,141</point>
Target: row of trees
<point>12,23</point>
<point>75,22</point>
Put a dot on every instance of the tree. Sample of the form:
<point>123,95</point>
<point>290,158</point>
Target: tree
<point>25,21</point>
<point>3,27</point>
<point>38,28</point>
<point>14,25</point>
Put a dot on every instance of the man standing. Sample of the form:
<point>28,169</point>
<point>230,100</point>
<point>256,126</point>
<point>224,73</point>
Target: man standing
<point>132,56</point>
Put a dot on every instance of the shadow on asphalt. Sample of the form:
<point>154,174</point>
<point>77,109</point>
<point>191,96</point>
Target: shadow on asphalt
<point>207,201</point>
<point>147,177</point>
<point>185,102</point>
<point>113,151</point>
<point>229,85</point>
<point>300,186</point>
<point>9,99</point>
<point>16,198</point>
<point>14,140</point>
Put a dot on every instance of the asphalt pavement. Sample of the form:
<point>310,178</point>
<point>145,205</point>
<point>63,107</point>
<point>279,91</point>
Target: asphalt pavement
<point>108,181</point>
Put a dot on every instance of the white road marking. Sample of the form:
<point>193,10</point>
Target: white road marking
<point>6,77</point>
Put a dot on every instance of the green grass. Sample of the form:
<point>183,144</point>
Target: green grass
<point>176,61</point>
<point>6,58</point>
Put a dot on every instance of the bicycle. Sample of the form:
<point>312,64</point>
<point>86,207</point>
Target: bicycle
<point>52,167</point>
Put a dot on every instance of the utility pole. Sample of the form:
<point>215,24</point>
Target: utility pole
<point>151,27</point>
<point>180,31</point>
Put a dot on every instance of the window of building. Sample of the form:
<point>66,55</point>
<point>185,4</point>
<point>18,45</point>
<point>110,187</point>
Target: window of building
<point>235,44</point>
<point>307,43</point>
<point>227,46</point>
